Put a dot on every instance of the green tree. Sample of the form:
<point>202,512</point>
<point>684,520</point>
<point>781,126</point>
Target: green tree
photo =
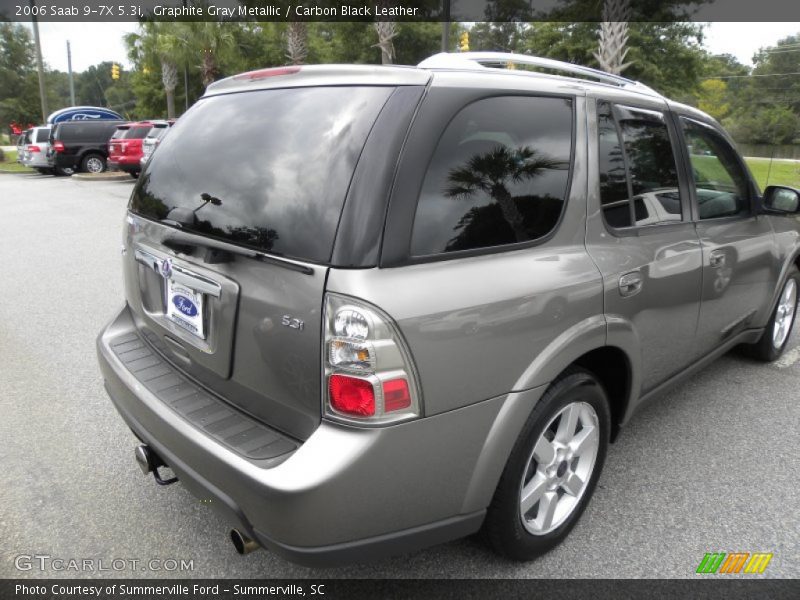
<point>19,92</point>
<point>159,45</point>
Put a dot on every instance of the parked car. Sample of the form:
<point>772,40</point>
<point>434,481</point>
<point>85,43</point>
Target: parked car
<point>34,153</point>
<point>153,139</point>
<point>125,147</point>
<point>80,145</point>
<point>420,302</point>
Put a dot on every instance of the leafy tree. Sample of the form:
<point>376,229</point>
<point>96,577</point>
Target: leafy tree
<point>768,125</point>
<point>159,45</point>
<point>712,98</point>
<point>19,91</point>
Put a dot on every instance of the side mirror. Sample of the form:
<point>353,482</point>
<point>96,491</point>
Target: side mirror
<point>782,198</point>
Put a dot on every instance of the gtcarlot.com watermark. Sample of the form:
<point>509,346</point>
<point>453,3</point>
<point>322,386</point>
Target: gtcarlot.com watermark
<point>46,562</point>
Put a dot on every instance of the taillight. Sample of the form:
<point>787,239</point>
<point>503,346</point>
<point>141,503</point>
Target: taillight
<point>34,149</point>
<point>271,72</point>
<point>370,376</point>
<point>58,146</point>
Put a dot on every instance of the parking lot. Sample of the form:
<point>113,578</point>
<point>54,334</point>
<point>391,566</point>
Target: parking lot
<point>711,467</point>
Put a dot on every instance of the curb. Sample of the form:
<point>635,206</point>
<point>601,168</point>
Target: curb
<point>105,176</point>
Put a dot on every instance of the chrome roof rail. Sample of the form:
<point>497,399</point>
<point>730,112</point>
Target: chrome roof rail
<point>479,60</point>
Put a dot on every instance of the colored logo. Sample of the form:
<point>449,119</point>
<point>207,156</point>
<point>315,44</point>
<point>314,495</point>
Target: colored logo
<point>183,304</point>
<point>734,562</point>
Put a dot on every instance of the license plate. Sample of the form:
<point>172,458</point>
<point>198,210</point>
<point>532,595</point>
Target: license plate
<point>185,308</point>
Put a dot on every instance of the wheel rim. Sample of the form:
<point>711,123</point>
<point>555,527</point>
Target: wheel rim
<point>784,315</point>
<point>559,468</point>
<point>94,165</point>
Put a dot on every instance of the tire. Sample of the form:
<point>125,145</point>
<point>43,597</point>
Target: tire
<point>93,163</point>
<point>776,335</point>
<point>44,170</point>
<point>134,174</point>
<point>524,536</point>
<point>63,171</point>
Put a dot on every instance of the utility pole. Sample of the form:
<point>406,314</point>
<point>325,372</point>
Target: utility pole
<point>185,79</point>
<point>39,65</point>
<point>71,81</point>
<point>446,25</point>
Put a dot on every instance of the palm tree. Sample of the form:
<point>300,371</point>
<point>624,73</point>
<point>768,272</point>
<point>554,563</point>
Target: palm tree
<point>493,171</point>
<point>611,51</point>
<point>210,40</point>
<point>158,42</point>
<point>297,42</point>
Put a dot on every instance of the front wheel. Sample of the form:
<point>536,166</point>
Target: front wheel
<point>64,171</point>
<point>775,338</point>
<point>553,468</point>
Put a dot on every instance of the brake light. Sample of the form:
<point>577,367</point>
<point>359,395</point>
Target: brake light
<point>369,372</point>
<point>58,146</point>
<point>34,149</point>
<point>264,73</point>
<point>352,396</point>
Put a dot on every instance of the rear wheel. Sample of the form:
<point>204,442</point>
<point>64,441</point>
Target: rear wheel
<point>553,468</point>
<point>775,338</point>
<point>93,163</point>
<point>134,174</point>
<point>64,171</point>
<point>45,170</point>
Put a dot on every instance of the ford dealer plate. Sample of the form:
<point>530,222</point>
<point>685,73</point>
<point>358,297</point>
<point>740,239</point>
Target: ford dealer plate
<point>185,308</point>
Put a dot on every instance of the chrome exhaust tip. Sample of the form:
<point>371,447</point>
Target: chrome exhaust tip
<point>242,543</point>
<point>144,458</point>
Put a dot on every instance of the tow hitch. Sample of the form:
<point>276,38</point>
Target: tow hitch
<point>149,462</point>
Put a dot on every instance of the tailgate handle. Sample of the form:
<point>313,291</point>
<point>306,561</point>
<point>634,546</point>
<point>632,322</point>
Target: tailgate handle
<point>179,274</point>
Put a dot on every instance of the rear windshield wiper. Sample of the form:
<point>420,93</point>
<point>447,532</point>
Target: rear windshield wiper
<point>221,252</point>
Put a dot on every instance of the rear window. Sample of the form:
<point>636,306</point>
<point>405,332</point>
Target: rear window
<point>119,133</point>
<point>42,134</point>
<point>268,169</point>
<point>137,133</point>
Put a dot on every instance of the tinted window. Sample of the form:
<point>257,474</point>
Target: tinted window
<point>720,181</point>
<point>638,174</point>
<point>137,133</point>
<point>267,169</point>
<point>498,176</point>
<point>42,134</point>
<point>119,133</point>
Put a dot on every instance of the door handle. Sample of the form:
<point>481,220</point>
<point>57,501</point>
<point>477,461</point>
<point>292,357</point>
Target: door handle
<point>717,259</point>
<point>630,283</point>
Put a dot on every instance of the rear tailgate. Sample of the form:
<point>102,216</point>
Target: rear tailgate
<point>231,227</point>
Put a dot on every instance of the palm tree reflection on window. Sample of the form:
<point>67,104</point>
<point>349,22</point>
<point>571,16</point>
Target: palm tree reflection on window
<point>495,173</point>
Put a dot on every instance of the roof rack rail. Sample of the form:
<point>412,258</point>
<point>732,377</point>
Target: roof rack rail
<point>471,60</point>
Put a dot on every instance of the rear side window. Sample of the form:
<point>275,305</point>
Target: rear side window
<point>266,169</point>
<point>499,176</point>
<point>721,183</point>
<point>638,172</point>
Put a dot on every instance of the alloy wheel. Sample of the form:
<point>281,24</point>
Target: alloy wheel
<point>784,315</point>
<point>559,468</point>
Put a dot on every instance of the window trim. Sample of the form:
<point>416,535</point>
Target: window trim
<point>678,117</point>
<point>663,116</point>
<point>412,259</point>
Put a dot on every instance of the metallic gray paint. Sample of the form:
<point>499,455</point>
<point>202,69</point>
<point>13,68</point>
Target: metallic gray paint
<point>487,334</point>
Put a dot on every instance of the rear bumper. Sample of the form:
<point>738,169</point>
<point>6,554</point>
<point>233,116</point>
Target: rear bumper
<point>345,494</point>
<point>124,166</point>
<point>38,161</point>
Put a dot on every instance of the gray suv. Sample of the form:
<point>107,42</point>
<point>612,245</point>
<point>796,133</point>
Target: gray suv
<point>420,302</point>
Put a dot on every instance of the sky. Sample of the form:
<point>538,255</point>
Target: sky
<point>96,42</point>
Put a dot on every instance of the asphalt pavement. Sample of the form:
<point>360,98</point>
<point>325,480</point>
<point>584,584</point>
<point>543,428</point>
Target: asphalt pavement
<point>711,467</point>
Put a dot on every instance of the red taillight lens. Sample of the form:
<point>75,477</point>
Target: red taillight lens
<point>34,149</point>
<point>396,395</point>
<point>58,146</point>
<point>352,396</point>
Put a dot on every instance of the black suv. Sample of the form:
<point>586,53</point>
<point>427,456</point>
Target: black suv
<point>81,146</point>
